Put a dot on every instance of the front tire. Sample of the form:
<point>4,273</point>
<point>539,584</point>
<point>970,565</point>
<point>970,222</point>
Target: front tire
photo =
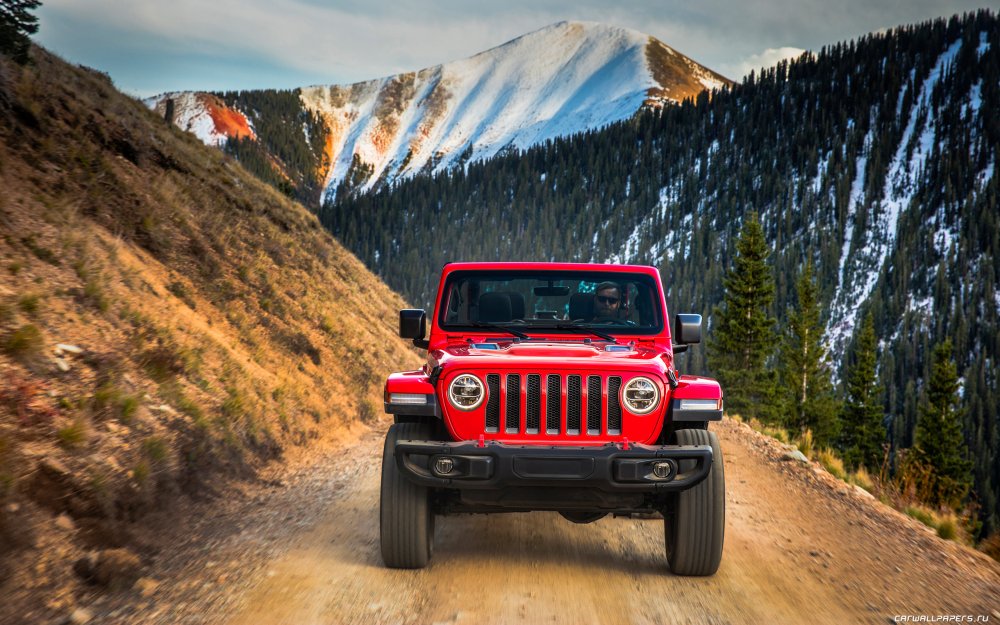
<point>694,521</point>
<point>406,519</point>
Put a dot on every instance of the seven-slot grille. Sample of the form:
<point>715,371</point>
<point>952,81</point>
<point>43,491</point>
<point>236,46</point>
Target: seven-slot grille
<point>561,404</point>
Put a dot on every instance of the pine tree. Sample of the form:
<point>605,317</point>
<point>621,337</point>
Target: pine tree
<point>16,23</point>
<point>939,442</point>
<point>863,432</point>
<point>742,339</point>
<point>804,366</point>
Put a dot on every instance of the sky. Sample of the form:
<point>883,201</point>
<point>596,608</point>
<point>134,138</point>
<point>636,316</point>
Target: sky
<point>149,47</point>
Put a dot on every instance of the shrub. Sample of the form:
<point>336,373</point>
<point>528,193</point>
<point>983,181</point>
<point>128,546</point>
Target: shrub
<point>178,290</point>
<point>73,434</point>
<point>42,253</point>
<point>121,404</point>
<point>948,529</point>
<point>832,463</point>
<point>164,361</point>
<point>991,546</point>
<point>155,449</point>
<point>24,342</point>
<point>93,293</point>
<point>29,303</point>
<point>141,472</point>
<point>924,516</point>
<point>863,479</point>
<point>805,444</point>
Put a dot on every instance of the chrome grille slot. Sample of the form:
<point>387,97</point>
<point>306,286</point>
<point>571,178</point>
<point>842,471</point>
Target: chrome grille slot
<point>574,397</point>
<point>614,406</point>
<point>552,405</point>
<point>594,404</point>
<point>513,396</point>
<point>493,403</point>
<point>534,409</point>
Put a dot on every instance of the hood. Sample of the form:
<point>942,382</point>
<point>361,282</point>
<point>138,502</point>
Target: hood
<point>563,355</point>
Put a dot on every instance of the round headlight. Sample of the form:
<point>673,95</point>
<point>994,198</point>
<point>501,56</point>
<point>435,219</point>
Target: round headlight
<point>466,392</point>
<point>641,395</point>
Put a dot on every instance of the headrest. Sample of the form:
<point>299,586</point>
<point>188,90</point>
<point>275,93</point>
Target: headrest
<point>581,306</point>
<point>494,307</point>
<point>516,304</point>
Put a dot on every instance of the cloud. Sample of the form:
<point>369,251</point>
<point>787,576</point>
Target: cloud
<point>153,45</point>
<point>341,44</point>
<point>754,62</point>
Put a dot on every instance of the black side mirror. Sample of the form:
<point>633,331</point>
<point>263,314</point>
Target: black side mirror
<point>413,325</point>
<point>687,330</point>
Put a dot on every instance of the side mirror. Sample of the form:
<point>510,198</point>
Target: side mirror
<point>413,325</point>
<point>687,330</point>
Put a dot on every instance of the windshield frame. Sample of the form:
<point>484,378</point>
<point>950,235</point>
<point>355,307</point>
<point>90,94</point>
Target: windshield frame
<point>548,326</point>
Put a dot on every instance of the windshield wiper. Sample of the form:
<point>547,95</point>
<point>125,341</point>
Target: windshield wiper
<point>499,328</point>
<point>569,326</point>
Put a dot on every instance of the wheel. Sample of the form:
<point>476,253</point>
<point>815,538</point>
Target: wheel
<point>694,521</point>
<point>406,520</point>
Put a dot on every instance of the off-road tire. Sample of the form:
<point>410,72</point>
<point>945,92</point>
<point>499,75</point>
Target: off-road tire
<point>406,519</point>
<point>694,519</point>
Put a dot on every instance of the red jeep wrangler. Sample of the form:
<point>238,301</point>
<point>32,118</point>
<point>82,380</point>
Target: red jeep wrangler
<point>552,386</point>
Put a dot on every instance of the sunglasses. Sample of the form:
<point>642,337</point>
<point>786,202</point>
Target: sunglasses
<point>607,300</point>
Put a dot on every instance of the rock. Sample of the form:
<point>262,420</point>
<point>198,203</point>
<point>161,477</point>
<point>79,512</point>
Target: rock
<point>61,364</point>
<point>146,586</point>
<point>84,567</point>
<point>69,349</point>
<point>79,616</point>
<point>795,455</point>
<point>64,522</point>
<point>860,491</point>
<point>117,568</point>
<point>54,468</point>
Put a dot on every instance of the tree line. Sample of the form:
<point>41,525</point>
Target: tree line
<point>781,375</point>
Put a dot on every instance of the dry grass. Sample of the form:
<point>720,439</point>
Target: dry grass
<point>905,491</point>
<point>832,463</point>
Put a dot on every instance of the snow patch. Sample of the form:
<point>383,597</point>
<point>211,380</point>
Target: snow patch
<point>859,271</point>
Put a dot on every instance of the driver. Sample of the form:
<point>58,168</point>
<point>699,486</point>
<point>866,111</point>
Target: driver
<point>607,299</point>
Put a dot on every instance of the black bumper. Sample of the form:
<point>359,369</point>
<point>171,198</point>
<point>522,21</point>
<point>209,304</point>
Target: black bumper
<point>610,468</point>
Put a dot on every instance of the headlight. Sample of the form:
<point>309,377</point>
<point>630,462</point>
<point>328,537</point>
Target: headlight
<point>641,395</point>
<point>466,392</point>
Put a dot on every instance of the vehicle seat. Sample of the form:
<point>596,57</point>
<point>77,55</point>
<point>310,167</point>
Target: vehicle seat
<point>516,304</point>
<point>581,306</point>
<point>494,307</point>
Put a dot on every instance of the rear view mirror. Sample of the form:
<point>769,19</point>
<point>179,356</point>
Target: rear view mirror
<point>551,291</point>
<point>412,323</point>
<point>687,329</point>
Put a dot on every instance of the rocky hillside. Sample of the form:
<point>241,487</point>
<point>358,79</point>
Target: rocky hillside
<point>168,324</point>
<point>564,79</point>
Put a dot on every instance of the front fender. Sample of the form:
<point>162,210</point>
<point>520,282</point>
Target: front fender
<point>402,393</point>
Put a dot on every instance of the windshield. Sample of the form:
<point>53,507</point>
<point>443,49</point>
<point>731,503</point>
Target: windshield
<point>598,303</point>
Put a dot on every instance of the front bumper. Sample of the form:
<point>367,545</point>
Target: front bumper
<point>610,468</point>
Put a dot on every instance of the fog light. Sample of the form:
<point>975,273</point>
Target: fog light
<point>444,466</point>
<point>663,470</point>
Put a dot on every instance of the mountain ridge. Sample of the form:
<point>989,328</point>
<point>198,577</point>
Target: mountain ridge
<point>566,78</point>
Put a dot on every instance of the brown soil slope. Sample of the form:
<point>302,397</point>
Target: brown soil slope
<point>166,321</point>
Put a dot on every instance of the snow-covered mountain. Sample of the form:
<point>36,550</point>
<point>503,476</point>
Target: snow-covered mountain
<point>563,79</point>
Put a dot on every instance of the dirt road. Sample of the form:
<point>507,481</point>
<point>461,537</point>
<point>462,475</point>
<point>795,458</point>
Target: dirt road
<point>800,547</point>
